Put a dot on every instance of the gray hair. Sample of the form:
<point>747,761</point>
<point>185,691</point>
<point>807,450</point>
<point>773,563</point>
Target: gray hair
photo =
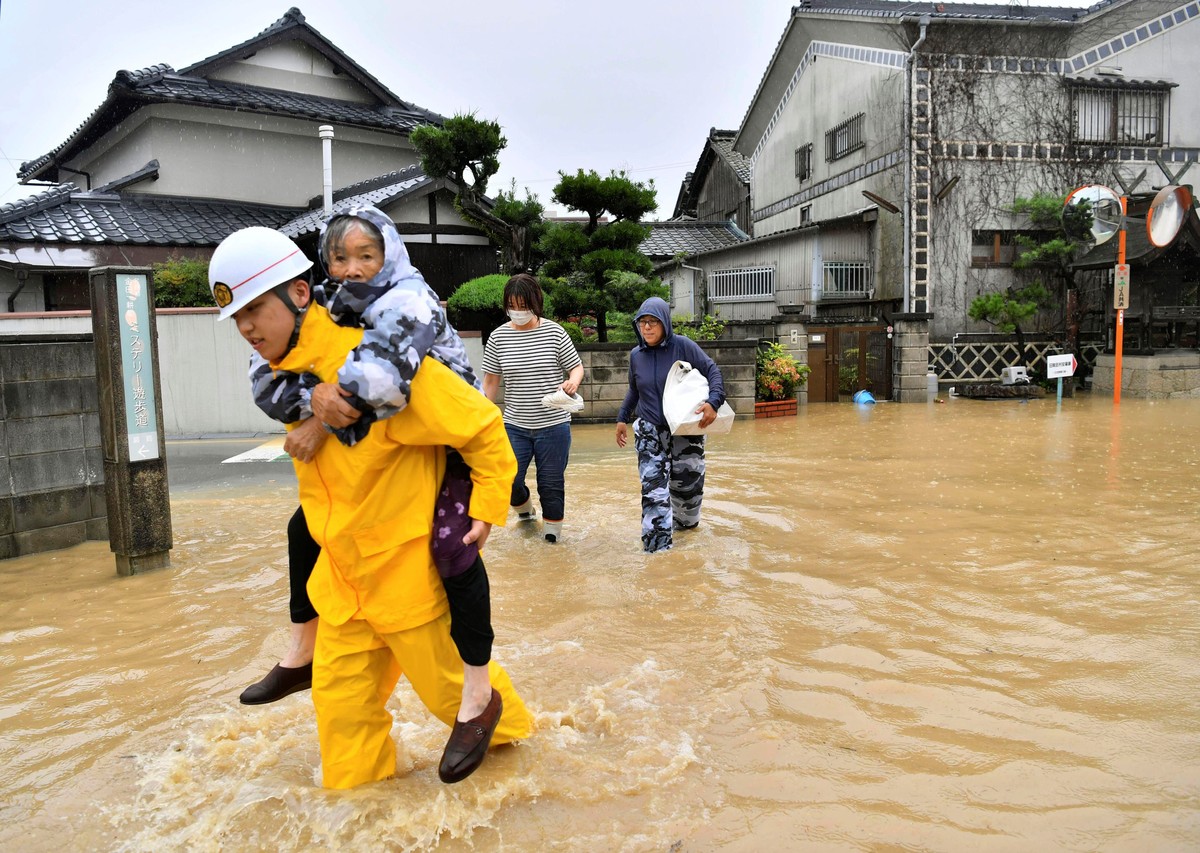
<point>341,226</point>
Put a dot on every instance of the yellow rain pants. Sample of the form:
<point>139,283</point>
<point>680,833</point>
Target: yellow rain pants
<point>355,672</point>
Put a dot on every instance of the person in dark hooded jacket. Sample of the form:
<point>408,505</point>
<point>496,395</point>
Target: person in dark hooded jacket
<point>671,467</point>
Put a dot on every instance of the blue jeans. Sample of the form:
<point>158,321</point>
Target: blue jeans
<point>549,447</point>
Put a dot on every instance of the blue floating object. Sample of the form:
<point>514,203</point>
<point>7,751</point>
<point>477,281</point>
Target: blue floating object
<point>864,396</point>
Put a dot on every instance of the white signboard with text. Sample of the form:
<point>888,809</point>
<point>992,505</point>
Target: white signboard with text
<point>1058,366</point>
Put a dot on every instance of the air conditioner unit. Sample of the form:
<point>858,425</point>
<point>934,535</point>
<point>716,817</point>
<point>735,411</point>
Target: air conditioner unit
<point>1014,376</point>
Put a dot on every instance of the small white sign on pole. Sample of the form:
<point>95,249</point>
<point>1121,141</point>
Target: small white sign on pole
<point>1058,366</point>
<point>1121,287</point>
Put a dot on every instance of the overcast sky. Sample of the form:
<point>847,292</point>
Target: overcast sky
<point>619,84</point>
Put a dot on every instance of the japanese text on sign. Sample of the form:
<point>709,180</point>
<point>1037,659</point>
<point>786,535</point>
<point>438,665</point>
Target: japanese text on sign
<point>133,307</point>
<point>1121,286</point>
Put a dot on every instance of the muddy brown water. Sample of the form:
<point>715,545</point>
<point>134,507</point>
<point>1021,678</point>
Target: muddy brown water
<point>969,625</point>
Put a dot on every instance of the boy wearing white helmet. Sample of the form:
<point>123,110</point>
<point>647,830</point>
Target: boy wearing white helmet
<point>370,508</point>
<point>373,285</point>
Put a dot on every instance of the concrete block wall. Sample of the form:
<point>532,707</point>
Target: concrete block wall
<point>606,377</point>
<point>51,462</point>
<point>910,357</point>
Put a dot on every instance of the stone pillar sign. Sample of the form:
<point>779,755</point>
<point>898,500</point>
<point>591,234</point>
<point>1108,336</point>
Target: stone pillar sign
<point>135,465</point>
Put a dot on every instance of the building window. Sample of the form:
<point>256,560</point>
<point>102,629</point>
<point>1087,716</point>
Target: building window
<point>1104,112</point>
<point>845,138</point>
<point>1001,248</point>
<point>846,280</point>
<point>804,162</point>
<point>748,284</point>
<point>806,214</point>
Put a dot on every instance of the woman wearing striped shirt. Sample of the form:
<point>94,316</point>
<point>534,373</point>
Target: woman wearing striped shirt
<point>533,355</point>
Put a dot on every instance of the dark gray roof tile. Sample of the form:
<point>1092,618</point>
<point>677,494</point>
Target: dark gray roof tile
<point>902,8</point>
<point>60,215</point>
<point>668,239</point>
<point>722,142</point>
<point>379,192</point>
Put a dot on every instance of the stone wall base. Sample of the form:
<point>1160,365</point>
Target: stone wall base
<point>1162,376</point>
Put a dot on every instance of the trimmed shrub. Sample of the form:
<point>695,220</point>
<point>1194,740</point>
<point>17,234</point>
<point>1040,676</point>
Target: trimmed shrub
<point>478,304</point>
<point>182,283</point>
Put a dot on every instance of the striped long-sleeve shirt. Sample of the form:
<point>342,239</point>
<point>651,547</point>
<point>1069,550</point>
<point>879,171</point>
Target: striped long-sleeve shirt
<point>533,363</point>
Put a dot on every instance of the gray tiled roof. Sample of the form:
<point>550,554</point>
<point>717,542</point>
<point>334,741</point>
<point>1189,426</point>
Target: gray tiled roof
<point>1138,248</point>
<point>65,215</point>
<point>158,84</point>
<point>718,144</point>
<point>179,89</point>
<point>379,192</point>
<point>902,8</point>
<point>670,238</point>
<point>722,142</point>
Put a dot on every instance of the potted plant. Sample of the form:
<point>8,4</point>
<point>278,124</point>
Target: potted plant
<point>777,375</point>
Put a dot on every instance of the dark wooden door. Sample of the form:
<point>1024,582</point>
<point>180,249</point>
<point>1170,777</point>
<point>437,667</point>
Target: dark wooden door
<point>820,373</point>
<point>848,359</point>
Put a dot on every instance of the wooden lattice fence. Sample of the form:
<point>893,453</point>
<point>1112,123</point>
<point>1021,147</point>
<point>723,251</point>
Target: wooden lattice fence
<point>982,360</point>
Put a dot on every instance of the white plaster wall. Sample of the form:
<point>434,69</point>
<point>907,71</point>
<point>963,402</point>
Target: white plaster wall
<point>210,153</point>
<point>31,298</point>
<point>1171,56</point>
<point>831,91</point>
<point>415,210</point>
<point>293,67</point>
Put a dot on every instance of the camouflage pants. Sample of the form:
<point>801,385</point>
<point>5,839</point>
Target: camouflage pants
<point>671,468</point>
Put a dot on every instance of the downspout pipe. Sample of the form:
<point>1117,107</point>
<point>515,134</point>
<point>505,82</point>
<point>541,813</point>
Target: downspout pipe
<point>325,131</point>
<point>908,161</point>
<point>87,176</point>
<point>22,278</point>
<point>695,281</point>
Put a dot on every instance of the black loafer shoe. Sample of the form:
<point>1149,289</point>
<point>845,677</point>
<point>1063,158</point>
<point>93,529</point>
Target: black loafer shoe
<point>469,743</point>
<point>279,682</point>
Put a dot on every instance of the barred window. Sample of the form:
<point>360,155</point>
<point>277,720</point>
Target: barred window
<point>748,284</point>
<point>806,214</point>
<point>846,280</point>
<point>804,162</point>
<point>1119,113</point>
<point>845,138</point>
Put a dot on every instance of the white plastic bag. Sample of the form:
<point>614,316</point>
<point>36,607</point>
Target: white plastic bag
<point>685,391</point>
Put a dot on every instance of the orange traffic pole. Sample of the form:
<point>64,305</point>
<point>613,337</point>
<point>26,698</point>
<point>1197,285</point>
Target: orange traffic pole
<point>1120,313</point>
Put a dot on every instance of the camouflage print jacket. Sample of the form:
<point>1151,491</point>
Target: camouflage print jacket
<point>403,321</point>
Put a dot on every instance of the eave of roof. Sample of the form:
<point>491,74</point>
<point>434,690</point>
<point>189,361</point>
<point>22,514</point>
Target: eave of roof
<point>378,192</point>
<point>668,239</point>
<point>852,216</point>
<point>718,144</point>
<point>900,11</point>
<point>1119,83</point>
<point>62,214</point>
<point>1138,249</point>
<point>964,11</point>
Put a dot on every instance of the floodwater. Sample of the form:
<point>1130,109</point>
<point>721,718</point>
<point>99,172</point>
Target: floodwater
<point>959,626</point>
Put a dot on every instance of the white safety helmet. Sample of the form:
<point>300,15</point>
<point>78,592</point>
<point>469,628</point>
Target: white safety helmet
<point>251,262</point>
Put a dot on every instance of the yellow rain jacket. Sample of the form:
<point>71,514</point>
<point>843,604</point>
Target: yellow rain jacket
<point>370,506</point>
<point>382,603</point>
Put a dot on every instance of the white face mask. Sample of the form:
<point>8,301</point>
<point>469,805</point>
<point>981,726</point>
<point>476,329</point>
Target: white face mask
<point>520,318</point>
